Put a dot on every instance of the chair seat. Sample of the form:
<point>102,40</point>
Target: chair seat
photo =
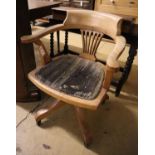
<point>73,76</point>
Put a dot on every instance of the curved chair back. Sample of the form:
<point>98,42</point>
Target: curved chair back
<point>93,26</point>
<point>92,20</point>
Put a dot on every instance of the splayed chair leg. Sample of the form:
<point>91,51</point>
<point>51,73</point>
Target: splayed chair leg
<point>87,137</point>
<point>46,111</point>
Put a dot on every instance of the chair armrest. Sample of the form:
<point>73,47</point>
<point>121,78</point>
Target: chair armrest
<point>112,60</point>
<point>35,38</point>
<point>39,34</point>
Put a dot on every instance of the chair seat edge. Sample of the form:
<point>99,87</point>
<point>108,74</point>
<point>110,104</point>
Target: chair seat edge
<point>83,103</point>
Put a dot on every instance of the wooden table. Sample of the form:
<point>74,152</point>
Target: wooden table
<point>26,11</point>
<point>40,8</point>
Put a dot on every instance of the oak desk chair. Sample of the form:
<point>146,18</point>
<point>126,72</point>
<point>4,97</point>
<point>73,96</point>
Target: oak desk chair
<point>78,80</point>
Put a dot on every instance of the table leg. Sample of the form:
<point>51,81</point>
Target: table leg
<point>58,41</point>
<point>52,45</point>
<point>66,42</point>
<point>126,70</point>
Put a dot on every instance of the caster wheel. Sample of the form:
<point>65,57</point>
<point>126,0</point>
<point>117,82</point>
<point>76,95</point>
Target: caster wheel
<point>88,142</point>
<point>86,145</point>
<point>39,123</point>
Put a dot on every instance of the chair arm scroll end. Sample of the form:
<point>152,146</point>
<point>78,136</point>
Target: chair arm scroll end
<point>112,60</point>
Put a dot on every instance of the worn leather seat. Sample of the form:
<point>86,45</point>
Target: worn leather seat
<point>73,75</point>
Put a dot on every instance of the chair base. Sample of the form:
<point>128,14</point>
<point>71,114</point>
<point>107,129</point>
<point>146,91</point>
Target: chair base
<point>45,111</point>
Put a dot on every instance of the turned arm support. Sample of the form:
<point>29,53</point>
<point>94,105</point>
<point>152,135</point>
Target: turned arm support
<point>35,38</point>
<point>112,60</point>
<point>112,64</point>
<point>45,58</point>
